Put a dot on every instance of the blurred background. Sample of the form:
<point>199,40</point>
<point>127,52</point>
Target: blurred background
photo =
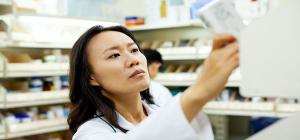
<point>35,41</point>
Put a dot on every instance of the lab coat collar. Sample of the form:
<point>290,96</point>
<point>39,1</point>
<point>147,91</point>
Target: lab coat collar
<point>126,124</point>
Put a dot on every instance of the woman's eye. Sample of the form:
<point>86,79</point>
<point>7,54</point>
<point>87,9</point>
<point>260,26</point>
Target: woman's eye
<point>135,50</point>
<point>114,55</point>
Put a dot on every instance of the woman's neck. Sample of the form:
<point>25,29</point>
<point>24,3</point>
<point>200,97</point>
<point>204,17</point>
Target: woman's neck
<point>130,107</point>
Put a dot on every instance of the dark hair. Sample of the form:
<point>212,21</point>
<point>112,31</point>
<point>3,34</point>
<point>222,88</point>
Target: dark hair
<point>87,100</point>
<point>152,56</point>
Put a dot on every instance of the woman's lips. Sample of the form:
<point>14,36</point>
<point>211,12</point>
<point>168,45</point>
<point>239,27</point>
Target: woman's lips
<point>137,72</point>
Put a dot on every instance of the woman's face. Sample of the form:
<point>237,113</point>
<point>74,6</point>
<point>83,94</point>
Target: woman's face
<point>118,66</point>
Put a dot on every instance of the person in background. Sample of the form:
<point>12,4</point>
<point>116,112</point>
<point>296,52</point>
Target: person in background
<point>160,93</point>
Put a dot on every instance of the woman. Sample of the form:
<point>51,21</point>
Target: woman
<point>109,91</point>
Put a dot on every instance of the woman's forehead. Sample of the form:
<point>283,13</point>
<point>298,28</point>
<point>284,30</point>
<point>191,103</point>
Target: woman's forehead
<point>108,39</point>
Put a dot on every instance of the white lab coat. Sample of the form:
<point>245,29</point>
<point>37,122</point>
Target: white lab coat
<point>165,122</point>
<point>160,93</point>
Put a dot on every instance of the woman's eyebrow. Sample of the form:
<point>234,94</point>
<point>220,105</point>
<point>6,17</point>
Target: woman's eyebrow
<point>130,44</point>
<point>118,47</point>
<point>111,48</point>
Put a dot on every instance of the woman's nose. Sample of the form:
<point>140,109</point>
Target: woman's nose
<point>132,60</point>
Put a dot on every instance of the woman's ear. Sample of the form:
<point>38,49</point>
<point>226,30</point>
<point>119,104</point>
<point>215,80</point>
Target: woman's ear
<point>93,81</point>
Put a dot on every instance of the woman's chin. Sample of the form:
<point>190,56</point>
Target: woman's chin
<point>143,85</point>
<point>139,85</point>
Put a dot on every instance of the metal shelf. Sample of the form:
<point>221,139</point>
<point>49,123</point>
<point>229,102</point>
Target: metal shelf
<point>192,23</point>
<point>240,113</point>
<point>233,83</point>
<point>187,79</point>
<point>185,53</point>
<point>33,74</point>
<point>34,69</point>
<point>54,31</point>
<point>248,113</point>
<point>188,83</point>
<point>47,126</point>
<point>287,108</point>
<point>238,105</point>
<point>37,127</point>
<point>234,108</point>
<point>15,100</point>
<point>38,45</point>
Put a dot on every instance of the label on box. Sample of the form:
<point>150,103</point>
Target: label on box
<point>222,17</point>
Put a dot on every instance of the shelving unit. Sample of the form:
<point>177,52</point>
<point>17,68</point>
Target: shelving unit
<point>38,45</point>
<point>235,108</point>
<point>34,69</point>
<point>288,108</point>
<point>55,32</point>
<point>192,23</point>
<point>190,29</point>
<point>185,53</point>
<point>247,113</point>
<point>240,113</point>
<point>237,105</point>
<point>187,79</point>
<point>15,100</point>
<point>36,127</point>
<point>61,31</point>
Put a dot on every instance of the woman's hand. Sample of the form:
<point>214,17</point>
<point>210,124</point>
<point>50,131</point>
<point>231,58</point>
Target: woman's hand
<point>223,59</point>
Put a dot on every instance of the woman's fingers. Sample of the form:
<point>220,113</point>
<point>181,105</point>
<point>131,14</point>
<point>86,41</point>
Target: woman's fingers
<point>232,57</point>
<point>221,40</point>
<point>233,63</point>
<point>230,50</point>
<point>224,54</point>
